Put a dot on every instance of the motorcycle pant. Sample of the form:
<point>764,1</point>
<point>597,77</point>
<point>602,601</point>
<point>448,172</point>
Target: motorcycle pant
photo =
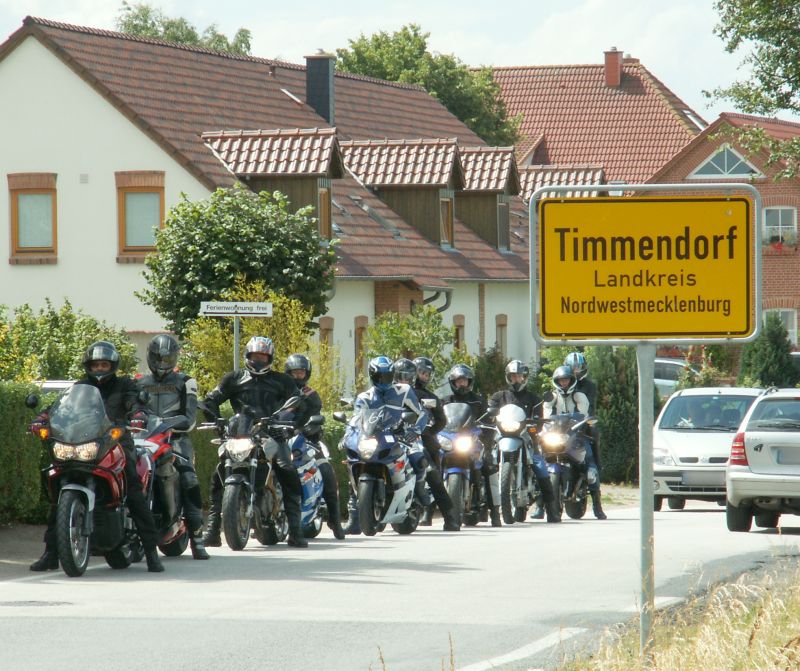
<point>439,491</point>
<point>539,466</point>
<point>191,497</point>
<point>491,480</point>
<point>291,488</point>
<point>137,504</point>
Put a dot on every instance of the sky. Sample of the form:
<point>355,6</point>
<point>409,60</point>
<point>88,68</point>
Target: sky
<point>673,39</point>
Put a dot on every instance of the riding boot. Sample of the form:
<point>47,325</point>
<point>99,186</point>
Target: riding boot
<point>421,492</point>
<point>495,516</point>
<point>597,507</point>
<point>291,505</point>
<point>198,547</point>
<point>353,527</point>
<point>211,536</point>
<point>330,494</point>
<point>427,516</point>
<point>335,519</point>
<point>47,562</point>
<point>451,521</point>
<point>538,509</point>
<point>154,564</point>
<point>549,497</point>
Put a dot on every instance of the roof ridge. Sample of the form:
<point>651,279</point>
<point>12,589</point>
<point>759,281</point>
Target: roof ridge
<point>753,117</point>
<point>561,166</point>
<point>377,80</point>
<point>663,91</point>
<point>260,132</point>
<point>487,149</point>
<point>411,142</point>
<point>557,65</point>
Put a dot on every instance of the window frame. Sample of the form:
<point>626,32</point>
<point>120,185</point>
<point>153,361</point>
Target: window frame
<point>726,175</point>
<point>503,224</point>
<point>140,181</point>
<point>792,332</point>
<point>446,233</point>
<point>23,184</point>
<point>779,208</point>
<point>324,212</point>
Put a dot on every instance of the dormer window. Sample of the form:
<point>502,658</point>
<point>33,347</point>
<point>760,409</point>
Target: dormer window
<point>446,220</point>
<point>726,163</point>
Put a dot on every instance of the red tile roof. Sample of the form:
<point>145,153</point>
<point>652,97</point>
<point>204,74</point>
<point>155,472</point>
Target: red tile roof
<point>534,177</point>
<point>310,152</point>
<point>490,169</point>
<point>420,162</point>
<point>631,130</point>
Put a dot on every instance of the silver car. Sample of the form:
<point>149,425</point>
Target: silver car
<point>692,441</point>
<point>763,474</point>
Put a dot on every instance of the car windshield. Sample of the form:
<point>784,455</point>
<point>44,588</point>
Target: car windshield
<point>715,412</point>
<point>79,415</point>
<point>776,414</point>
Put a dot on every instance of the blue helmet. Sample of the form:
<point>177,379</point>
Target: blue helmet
<point>381,372</point>
<point>577,362</point>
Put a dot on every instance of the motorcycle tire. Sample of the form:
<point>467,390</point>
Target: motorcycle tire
<point>176,547</point>
<point>555,481</point>
<point>520,514</point>
<point>120,558</point>
<point>455,490</point>
<point>410,523</point>
<point>313,529</point>
<point>508,480</point>
<point>369,514</point>
<point>576,509</point>
<point>235,520</point>
<point>73,546</point>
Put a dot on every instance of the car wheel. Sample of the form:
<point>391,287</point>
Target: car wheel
<point>767,520</point>
<point>739,518</point>
<point>675,503</point>
<point>657,503</point>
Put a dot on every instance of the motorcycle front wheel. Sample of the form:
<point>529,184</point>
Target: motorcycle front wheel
<point>410,523</point>
<point>235,517</point>
<point>455,490</point>
<point>555,481</point>
<point>576,509</point>
<point>313,528</point>
<point>120,558</point>
<point>73,546</point>
<point>508,481</point>
<point>369,512</point>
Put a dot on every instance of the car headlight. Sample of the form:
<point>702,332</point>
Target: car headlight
<point>510,426</point>
<point>553,440</point>
<point>238,448</point>
<point>367,447</point>
<point>445,443</point>
<point>87,451</point>
<point>63,452</point>
<point>662,457</point>
<point>463,444</point>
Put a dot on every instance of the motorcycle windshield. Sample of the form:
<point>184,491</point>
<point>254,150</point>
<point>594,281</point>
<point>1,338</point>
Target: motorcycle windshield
<point>374,421</point>
<point>79,415</point>
<point>240,424</point>
<point>458,415</point>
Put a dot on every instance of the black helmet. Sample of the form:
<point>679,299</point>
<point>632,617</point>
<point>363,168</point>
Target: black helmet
<point>381,373</point>
<point>516,366</point>
<point>298,362</point>
<point>559,374</point>
<point>405,371</point>
<point>577,362</point>
<point>458,371</point>
<point>261,345</point>
<point>102,350</point>
<point>162,355</point>
<point>424,365</point>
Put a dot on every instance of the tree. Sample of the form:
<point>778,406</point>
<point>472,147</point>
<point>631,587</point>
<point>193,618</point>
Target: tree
<point>206,244</point>
<point>771,28</point>
<point>146,21</point>
<point>471,95</point>
<point>767,360</point>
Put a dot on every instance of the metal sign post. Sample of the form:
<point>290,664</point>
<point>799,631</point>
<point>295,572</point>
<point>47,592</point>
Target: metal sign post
<point>679,269</point>
<point>235,310</point>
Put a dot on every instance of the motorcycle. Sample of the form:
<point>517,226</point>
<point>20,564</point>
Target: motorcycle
<point>564,448</point>
<point>381,472</point>
<point>514,441</point>
<point>87,478</point>
<point>312,506</point>
<point>165,493</point>
<point>243,447</point>
<point>461,453</point>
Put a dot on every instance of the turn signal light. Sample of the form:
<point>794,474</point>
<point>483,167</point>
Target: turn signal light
<point>44,433</point>
<point>738,454</point>
<point>116,433</point>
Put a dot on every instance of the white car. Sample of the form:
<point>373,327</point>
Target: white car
<point>692,442</point>
<point>667,372</point>
<point>763,475</point>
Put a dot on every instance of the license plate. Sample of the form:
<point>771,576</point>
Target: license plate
<point>697,478</point>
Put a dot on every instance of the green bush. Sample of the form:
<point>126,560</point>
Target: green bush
<point>767,360</point>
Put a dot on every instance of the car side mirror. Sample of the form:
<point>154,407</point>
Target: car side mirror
<point>31,401</point>
<point>339,416</point>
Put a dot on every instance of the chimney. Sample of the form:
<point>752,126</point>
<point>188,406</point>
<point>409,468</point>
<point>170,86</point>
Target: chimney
<point>613,67</point>
<point>319,84</point>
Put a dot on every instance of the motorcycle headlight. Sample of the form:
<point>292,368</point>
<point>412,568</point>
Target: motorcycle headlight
<point>662,458</point>
<point>553,440</point>
<point>238,448</point>
<point>367,447</point>
<point>87,451</point>
<point>463,444</point>
<point>509,426</point>
<point>445,443</point>
<point>63,452</point>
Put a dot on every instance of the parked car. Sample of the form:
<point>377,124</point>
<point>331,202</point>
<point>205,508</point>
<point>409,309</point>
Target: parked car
<point>763,475</point>
<point>666,374</point>
<point>692,442</point>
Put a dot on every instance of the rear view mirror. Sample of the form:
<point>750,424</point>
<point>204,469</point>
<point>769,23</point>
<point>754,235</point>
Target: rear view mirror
<point>339,416</point>
<point>31,401</point>
<point>429,403</point>
<point>316,420</point>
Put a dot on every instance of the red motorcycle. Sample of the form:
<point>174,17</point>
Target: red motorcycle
<point>87,478</point>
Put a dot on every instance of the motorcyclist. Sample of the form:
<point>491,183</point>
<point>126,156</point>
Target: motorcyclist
<point>518,394</point>
<point>397,398</point>
<point>121,399</point>
<point>417,374</point>
<point>298,367</point>
<point>567,399</point>
<point>174,394</point>
<point>461,380</point>
<point>263,390</point>
<point>577,361</point>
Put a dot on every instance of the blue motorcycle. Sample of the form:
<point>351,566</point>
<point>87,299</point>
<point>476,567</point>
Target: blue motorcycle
<point>461,453</point>
<point>304,459</point>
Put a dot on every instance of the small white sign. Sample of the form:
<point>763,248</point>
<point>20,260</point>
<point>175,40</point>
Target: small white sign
<point>235,309</point>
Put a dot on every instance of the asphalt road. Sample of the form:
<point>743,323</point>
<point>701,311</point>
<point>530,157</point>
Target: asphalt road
<point>511,598</point>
